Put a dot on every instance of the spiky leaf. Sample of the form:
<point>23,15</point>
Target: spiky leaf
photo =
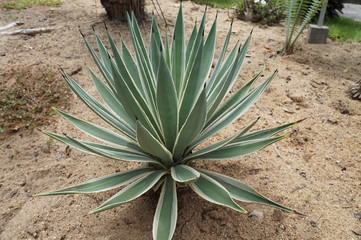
<point>212,191</point>
<point>104,183</point>
<point>241,191</point>
<point>165,217</point>
<point>132,191</point>
<point>183,173</point>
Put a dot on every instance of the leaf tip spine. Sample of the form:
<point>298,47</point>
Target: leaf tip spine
<point>286,135</point>
<point>93,28</point>
<point>298,213</point>
<point>298,121</point>
<point>251,31</point>
<point>62,73</point>
<point>81,33</point>
<point>232,22</point>
<point>105,25</point>
<point>91,212</point>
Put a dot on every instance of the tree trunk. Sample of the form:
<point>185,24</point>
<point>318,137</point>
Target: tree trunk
<point>117,9</point>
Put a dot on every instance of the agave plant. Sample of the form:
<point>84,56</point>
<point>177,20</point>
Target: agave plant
<point>298,14</point>
<point>163,102</point>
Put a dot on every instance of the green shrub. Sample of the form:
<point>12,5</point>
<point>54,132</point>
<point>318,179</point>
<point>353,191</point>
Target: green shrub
<point>216,3</point>
<point>264,11</point>
<point>163,104</point>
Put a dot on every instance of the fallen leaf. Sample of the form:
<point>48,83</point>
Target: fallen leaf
<point>15,128</point>
<point>10,83</point>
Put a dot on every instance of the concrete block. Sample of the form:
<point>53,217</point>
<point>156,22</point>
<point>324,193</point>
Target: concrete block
<point>317,34</point>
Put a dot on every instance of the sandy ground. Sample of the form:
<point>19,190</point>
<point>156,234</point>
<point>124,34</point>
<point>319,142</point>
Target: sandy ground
<point>316,171</point>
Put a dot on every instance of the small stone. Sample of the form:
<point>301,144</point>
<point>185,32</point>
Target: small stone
<point>313,224</point>
<point>357,216</point>
<point>328,121</point>
<point>307,157</point>
<point>23,184</point>
<point>277,215</point>
<point>345,111</point>
<point>59,156</point>
<point>303,174</point>
<point>2,54</point>
<point>13,193</point>
<point>256,215</point>
<point>45,149</point>
<point>36,154</point>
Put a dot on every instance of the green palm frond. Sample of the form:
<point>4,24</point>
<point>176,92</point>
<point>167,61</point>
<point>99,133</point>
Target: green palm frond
<point>162,102</point>
<point>298,14</point>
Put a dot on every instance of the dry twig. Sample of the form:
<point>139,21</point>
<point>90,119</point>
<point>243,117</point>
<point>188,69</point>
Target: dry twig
<point>28,31</point>
<point>10,25</point>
